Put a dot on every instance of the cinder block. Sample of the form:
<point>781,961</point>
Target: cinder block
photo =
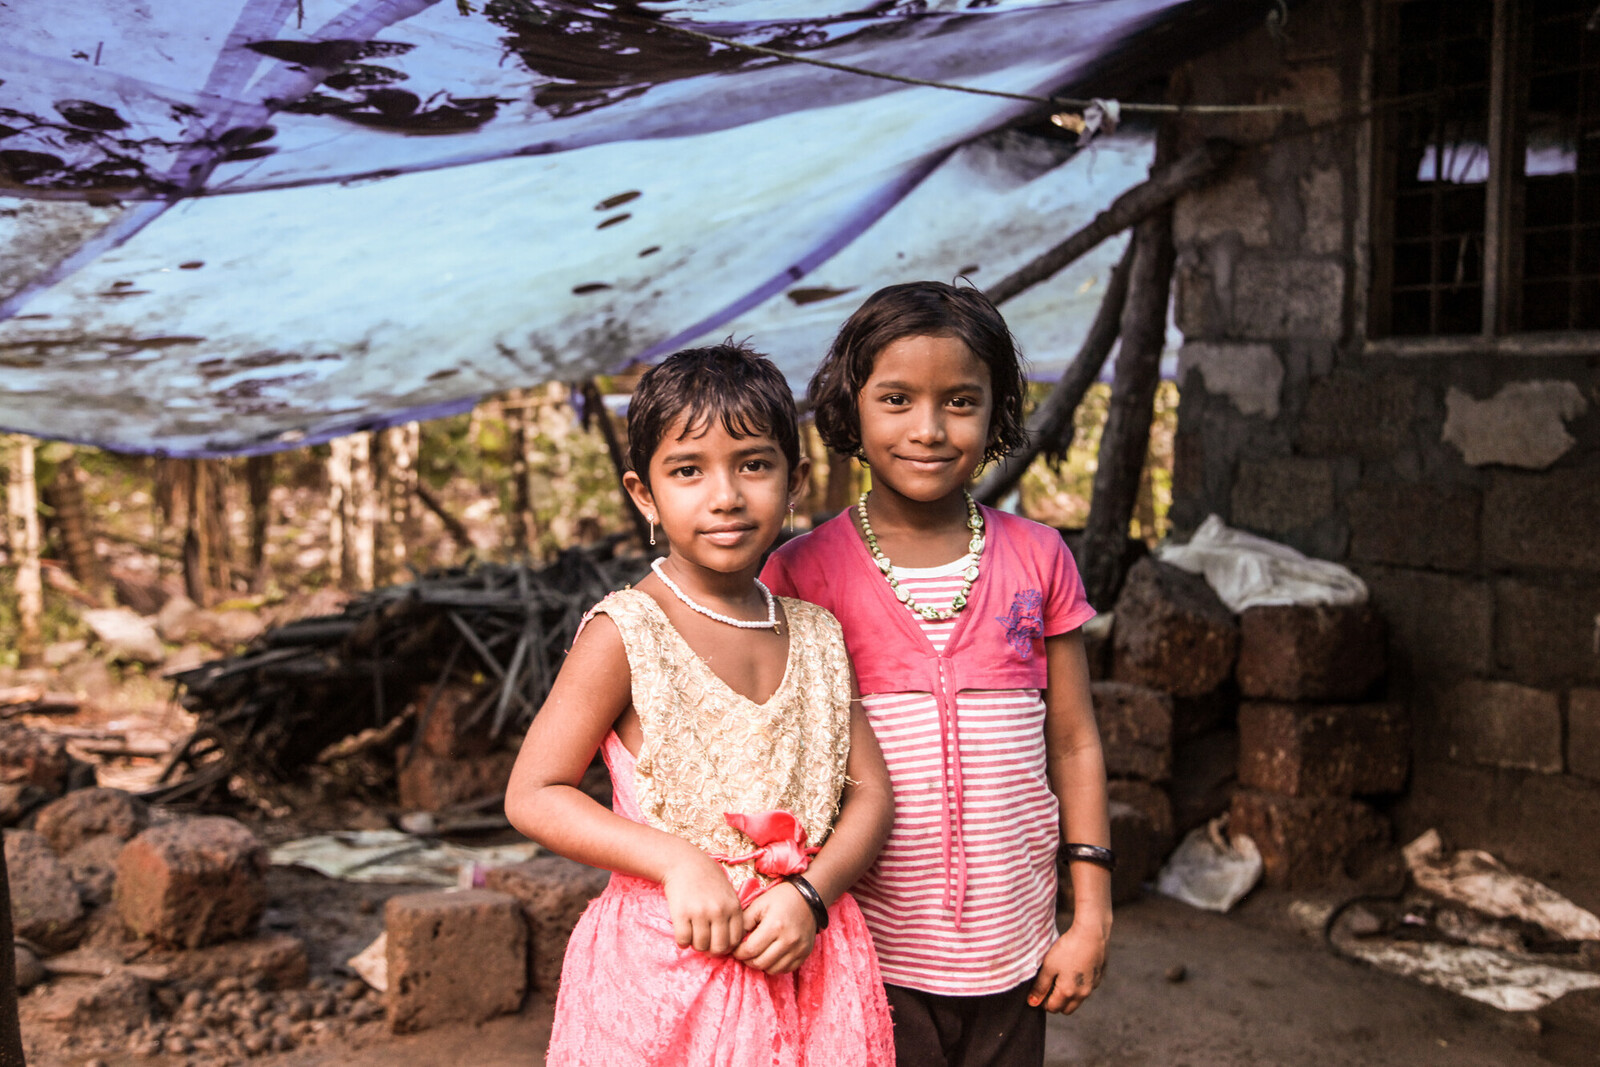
<point>1288,297</point>
<point>1583,732</point>
<point>1545,520</point>
<point>1204,778</point>
<point>1282,494</point>
<point>1150,799</point>
<point>1414,525</point>
<point>1325,750</point>
<point>192,882</point>
<point>1308,842</point>
<point>1138,847</point>
<point>1545,632</point>
<point>1503,724</point>
<point>553,892</point>
<point>1135,730</point>
<point>1440,625</point>
<point>1346,413</point>
<point>430,783</point>
<point>1171,632</point>
<point>33,757</point>
<point>1310,652</point>
<point>454,958</point>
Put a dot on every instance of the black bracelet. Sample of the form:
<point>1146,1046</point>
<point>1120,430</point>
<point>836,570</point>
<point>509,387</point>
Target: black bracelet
<point>1095,854</point>
<point>813,899</point>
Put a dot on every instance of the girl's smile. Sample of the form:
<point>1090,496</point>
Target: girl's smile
<point>925,417</point>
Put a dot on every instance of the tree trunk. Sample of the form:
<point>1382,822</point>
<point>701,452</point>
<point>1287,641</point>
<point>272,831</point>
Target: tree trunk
<point>197,547</point>
<point>1051,427</point>
<point>520,437</point>
<point>595,413</point>
<point>395,467</point>
<point>1125,442</point>
<point>258,475</point>
<point>219,527</point>
<point>66,496</point>
<point>338,510</point>
<point>360,513</point>
<point>10,1026</point>
<point>22,506</point>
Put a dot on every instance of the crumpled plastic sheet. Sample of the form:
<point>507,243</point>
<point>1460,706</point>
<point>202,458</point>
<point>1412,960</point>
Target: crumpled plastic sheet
<point>1504,977</point>
<point>395,858</point>
<point>1248,571</point>
<point>1208,870</point>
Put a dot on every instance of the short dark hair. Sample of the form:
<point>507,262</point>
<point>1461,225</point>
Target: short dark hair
<point>919,309</point>
<point>731,382</point>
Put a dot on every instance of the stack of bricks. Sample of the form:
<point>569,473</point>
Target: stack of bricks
<point>452,759</point>
<point>1264,716</point>
<point>1172,653</point>
<point>1311,745</point>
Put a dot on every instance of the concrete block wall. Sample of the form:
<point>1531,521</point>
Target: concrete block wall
<point>1462,483</point>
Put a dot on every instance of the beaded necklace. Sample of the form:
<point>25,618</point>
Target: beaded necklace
<point>969,576</point>
<point>743,624</point>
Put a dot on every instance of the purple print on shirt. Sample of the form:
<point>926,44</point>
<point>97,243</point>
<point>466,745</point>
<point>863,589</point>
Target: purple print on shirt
<point>1024,623</point>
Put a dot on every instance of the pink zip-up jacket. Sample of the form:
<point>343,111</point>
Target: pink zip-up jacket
<point>1027,589</point>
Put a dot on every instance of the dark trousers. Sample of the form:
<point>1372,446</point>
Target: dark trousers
<point>993,1030</point>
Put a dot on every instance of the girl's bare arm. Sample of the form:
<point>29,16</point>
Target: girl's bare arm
<point>543,800</point>
<point>782,930</point>
<point>1073,965</point>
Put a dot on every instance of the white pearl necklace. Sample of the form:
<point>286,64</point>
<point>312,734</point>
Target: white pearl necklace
<point>968,576</point>
<point>743,624</point>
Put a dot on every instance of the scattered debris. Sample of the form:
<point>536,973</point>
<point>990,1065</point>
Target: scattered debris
<point>1482,883</point>
<point>1209,871</point>
<point>394,857</point>
<point>499,630</point>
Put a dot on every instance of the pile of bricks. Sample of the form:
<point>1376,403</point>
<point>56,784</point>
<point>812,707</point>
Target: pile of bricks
<point>1267,715</point>
<point>469,955</point>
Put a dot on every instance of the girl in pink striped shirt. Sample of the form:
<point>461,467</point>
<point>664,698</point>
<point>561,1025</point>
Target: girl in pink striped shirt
<point>963,626</point>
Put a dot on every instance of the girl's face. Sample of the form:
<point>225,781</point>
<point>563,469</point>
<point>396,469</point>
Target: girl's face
<point>925,417</point>
<point>719,499</point>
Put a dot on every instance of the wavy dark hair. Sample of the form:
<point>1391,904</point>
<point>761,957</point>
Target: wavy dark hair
<point>919,309</point>
<point>731,382</point>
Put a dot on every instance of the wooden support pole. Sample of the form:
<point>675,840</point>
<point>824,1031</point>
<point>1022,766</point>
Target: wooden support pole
<point>1125,442</point>
<point>1157,192</point>
<point>594,408</point>
<point>72,522</point>
<point>1051,425</point>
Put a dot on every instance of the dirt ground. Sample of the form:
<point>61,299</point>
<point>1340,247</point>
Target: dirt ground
<point>1255,990</point>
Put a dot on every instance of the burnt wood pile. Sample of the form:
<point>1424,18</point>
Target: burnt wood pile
<point>497,630</point>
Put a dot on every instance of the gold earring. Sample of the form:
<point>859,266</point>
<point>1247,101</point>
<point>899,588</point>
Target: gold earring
<point>652,529</point>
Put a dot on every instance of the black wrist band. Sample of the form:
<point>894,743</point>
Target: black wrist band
<point>813,899</point>
<point>1095,854</point>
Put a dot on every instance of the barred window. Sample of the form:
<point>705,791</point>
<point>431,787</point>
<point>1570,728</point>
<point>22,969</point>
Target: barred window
<point>1487,219</point>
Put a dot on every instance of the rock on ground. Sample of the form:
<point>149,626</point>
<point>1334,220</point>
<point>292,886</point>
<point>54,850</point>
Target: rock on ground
<point>454,957</point>
<point>87,813</point>
<point>192,882</point>
<point>45,908</point>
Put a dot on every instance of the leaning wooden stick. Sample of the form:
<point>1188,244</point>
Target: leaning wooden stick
<point>1163,186</point>
<point>1050,427</point>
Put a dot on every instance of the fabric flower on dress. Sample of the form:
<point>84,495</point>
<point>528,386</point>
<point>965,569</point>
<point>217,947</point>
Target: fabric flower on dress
<point>781,850</point>
<point>1024,623</point>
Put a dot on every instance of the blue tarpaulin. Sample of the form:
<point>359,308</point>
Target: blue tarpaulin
<point>234,225</point>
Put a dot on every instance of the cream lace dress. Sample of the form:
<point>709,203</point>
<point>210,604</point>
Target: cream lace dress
<point>629,994</point>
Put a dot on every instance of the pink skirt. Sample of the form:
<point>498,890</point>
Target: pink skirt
<point>630,995</point>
